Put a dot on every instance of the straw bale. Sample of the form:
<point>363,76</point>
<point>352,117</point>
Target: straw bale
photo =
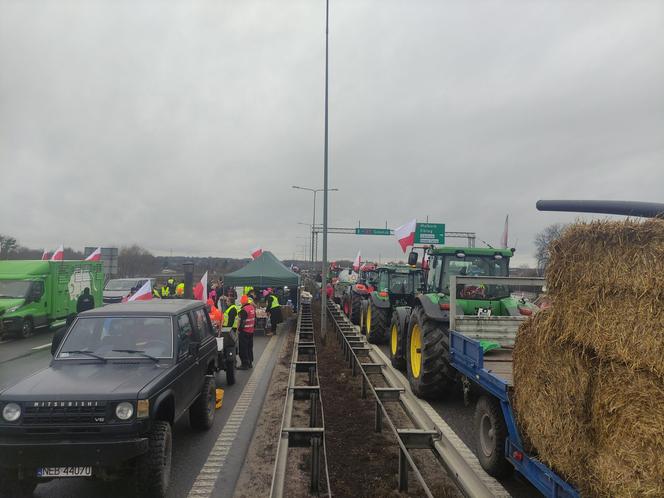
<point>627,420</point>
<point>551,398</point>
<point>608,256</point>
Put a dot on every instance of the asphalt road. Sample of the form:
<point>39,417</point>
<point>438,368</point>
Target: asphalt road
<point>20,358</point>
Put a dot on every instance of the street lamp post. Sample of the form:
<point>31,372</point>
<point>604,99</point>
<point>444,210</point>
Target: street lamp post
<point>323,319</point>
<point>314,236</point>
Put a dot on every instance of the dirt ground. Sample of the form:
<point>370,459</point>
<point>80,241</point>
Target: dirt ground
<point>363,463</point>
<point>256,476</point>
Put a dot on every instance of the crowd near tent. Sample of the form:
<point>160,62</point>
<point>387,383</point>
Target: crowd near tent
<point>264,271</point>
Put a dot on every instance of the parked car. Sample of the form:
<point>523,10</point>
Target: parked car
<point>117,289</point>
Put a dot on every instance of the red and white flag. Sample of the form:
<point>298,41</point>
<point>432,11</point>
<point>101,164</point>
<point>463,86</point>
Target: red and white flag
<point>95,256</point>
<point>503,239</point>
<point>256,252</point>
<point>200,289</point>
<point>46,255</point>
<point>358,261</point>
<point>142,294</point>
<point>59,254</point>
<point>406,234</point>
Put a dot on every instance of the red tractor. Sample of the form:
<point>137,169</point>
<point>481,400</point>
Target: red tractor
<point>359,292</point>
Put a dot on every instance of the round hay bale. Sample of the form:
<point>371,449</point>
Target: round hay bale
<point>628,423</point>
<point>552,383</point>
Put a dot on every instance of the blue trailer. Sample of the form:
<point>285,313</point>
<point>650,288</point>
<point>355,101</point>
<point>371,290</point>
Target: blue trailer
<point>500,448</point>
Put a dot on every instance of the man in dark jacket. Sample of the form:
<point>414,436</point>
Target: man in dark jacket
<point>86,301</point>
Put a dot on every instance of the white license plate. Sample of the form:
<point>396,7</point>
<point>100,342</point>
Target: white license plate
<point>64,472</point>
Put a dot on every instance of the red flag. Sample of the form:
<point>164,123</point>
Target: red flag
<point>142,294</point>
<point>406,234</point>
<point>46,255</point>
<point>59,254</point>
<point>256,252</point>
<point>95,256</point>
<point>200,289</point>
<point>503,239</point>
<point>358,261</point>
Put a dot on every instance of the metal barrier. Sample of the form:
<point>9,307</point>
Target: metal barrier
<point>312,436</point>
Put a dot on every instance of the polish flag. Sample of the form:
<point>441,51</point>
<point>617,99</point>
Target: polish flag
<point>358,261</point>
<point>142,294</point>
<point>503,239</point>
<point>46,255</point>
<point>256,252</point>
<point>59,254</point>
<point>406,234</point>
<point>95,256</point>
<point>200,289</point>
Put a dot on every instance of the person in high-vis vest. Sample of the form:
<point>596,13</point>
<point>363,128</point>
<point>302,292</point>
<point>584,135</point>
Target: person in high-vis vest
<point>246,330</point>
<point>165,292</point>
<point>273,308</point>
<point>232,316</point>
<point>179,290</point>
<point>156,294</point>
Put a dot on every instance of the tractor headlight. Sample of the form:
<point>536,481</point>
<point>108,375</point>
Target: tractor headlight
<point>124,410</point>
<point>11,412</point>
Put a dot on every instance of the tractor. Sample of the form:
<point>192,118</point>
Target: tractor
<point>420,341</point>
<point>397,286</point>
<point>359,292</point>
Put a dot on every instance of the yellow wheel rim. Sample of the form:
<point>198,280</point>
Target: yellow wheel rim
<point>369,321</point>
<point>393,339</point>
<point>416,351</point>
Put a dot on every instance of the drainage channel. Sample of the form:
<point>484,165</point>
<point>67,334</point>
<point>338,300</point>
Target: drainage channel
<point>307,398</point>
<point>362,360</point>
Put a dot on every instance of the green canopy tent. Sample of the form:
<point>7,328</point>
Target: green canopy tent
<point>264,271</point>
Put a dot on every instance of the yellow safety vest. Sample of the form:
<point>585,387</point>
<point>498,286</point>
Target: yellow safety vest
<point>248,289</point>
<point>275,302</point>
<point>236,321</point>
<point>165,291</point>
<point>179,290</point>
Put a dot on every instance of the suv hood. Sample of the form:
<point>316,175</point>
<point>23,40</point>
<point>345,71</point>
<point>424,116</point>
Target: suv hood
<point>83,381</point>
<point>6,303</point>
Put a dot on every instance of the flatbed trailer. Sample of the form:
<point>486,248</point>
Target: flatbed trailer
<point>492,373</point>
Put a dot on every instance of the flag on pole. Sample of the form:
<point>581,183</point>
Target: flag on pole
<point>142,294</point>
<point>406,234</point>
<point>256,252</point>
<point>59,254</point>
<point>358,261</point>
<point>95,256</point>
<point>200,289</point>
<point>46,255</point>
<point>503,239</point>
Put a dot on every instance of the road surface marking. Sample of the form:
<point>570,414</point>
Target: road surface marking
<point>43,346</point>
<point>207,477</point>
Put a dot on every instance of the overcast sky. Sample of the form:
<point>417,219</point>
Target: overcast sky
<point>182,125</point>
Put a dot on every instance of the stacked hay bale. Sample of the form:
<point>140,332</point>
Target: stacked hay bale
<point>589,371</point>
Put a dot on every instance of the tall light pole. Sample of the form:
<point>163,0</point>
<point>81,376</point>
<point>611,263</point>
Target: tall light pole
<point>314,236</point>
<point>323,320</point>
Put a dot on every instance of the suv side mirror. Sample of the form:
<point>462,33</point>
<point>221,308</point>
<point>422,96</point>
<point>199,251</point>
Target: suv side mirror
<point>412,258</point>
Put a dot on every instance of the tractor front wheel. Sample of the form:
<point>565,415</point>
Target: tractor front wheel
<point>429,372</point>
<point>396,344</point>
<point>377,321</point>
<point>355,308</point>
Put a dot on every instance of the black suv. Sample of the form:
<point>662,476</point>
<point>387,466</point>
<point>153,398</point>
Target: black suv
<point>120,378</point>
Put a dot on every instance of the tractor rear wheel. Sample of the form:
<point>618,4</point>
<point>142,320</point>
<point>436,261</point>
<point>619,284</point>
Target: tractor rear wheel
<point>396,344</point>
<point>377,321</point>
<point>429,372</point>
<point>363,316</point>
<point>355,308</point>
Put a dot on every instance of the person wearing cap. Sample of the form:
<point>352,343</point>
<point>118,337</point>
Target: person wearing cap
<point>273,308</point>
<point>246,332</point>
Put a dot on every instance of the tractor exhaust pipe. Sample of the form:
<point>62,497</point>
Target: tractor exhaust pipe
<point>627,208</point>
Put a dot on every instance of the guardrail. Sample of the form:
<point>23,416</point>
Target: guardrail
<point>312,436</point>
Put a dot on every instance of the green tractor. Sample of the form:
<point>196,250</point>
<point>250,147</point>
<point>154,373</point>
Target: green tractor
<point>397,286</point>
<point>424,347</point>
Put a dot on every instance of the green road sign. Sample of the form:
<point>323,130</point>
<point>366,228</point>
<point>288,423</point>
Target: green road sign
<point>373,231</point>
<point>430,233</point>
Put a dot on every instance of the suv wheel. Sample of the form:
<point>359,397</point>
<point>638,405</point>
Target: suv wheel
<point>201,413</point>
<point>153,470</point>
<point>230,371</point>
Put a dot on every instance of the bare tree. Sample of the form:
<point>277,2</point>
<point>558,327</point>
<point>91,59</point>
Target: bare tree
<point>542,241</point>
<point>8,245</point>
<point>135,261</point>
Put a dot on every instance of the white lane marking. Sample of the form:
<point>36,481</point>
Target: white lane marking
<point>207,477</point>
<point>43,346</point>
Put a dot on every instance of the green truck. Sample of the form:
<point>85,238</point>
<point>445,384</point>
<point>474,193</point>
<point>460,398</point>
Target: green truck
<point>37,294</point>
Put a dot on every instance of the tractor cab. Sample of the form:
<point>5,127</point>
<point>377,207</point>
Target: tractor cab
<point>368,276</point>
<point>399,284</point>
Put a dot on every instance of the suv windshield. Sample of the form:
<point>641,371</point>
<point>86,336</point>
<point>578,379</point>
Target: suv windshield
<point>471,266</point>
<point>14,288</point>
<point>120,285</point>
<point>102,335</point>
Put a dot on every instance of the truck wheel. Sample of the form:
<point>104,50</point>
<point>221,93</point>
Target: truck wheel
<point>396,344</point>
<point>201,413</point>
<point>153,470</point>
<point>230,371</point>
<point>490,433</point>
<point>427,357</point>
<point>377,321</point>
<point>27,329</point>
<point>355,309</point>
